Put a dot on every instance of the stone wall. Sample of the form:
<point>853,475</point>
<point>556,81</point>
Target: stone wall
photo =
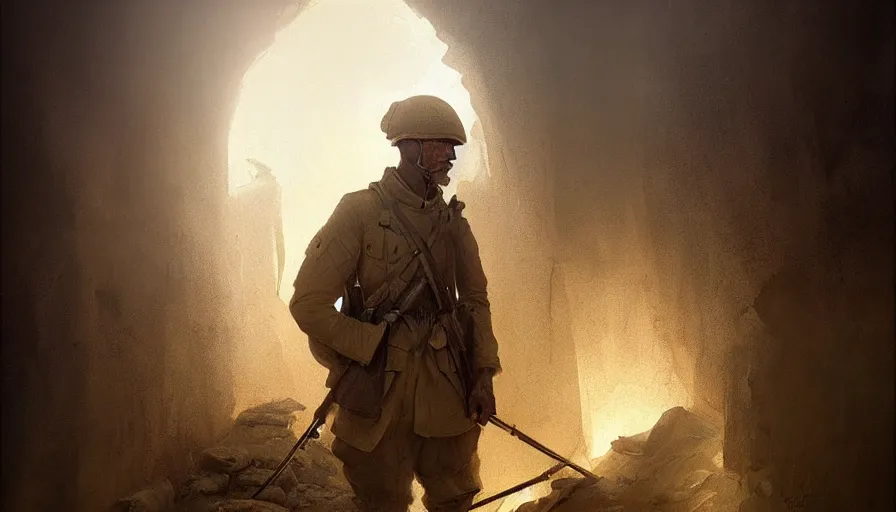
<point>719,180</point>
<point>116,302</point>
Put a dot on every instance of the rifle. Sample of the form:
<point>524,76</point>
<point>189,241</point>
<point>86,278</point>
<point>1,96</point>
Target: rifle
<point>457,349</point>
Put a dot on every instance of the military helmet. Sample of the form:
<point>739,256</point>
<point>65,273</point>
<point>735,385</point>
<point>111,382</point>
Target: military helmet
<point>422,117</point>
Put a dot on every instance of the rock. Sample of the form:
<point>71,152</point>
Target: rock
<point>252,419</point>
<point>687,488</point>
<point>285,406</point>
<point>630,445</point>
<point>248,506</point>
<point>261,433</point>
<point>273,494</point>
<point>677,428</point>
<point>560,493</point>
<point>671,468</point>
<point>318,493</point>
<point>309,473</point>
<point>287,480</point>
<point>258,447</point>
<point>315,464</point>
<point>561,483</point>
<point>252,477</point>
<point>268,454</point>
<point>292,499</point>
<point>214,483</point>
<point>224,459</point>
<point>157,498</point>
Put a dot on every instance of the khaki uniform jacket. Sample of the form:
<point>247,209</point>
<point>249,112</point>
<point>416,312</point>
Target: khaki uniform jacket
<point>360,238</point>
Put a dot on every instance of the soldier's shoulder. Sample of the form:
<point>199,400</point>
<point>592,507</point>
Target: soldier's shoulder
<point>361,201</point>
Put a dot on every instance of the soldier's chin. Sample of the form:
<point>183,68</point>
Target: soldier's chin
<point>443,181</point>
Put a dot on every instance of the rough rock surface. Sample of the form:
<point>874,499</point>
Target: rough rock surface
<point>214,483</point>
<point>247,506</point>
<point>675,467</point>
<point>257,442</point>
<point>158,497</point>
<point>224,459</point>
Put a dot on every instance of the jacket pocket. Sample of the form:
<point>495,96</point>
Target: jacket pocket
<point>396,359</point>
<point>374,243</point>
<point>397,246</point>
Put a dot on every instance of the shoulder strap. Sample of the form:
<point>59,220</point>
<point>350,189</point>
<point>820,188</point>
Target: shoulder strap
<point>446,301</point>
<point>443,296</point>
<point>376,298</point>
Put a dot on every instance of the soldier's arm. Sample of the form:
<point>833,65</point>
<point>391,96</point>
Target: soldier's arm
<point>472,289</point>
<point>331,258</point>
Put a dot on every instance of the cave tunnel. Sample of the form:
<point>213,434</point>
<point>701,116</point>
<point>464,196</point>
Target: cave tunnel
<point>686,220</point>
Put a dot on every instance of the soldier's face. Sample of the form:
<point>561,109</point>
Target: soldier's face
<point>437,156</point>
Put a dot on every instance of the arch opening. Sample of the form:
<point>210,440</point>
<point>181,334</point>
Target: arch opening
<point>311,105</point>
<point>309,110</point>
<point>307,124</point>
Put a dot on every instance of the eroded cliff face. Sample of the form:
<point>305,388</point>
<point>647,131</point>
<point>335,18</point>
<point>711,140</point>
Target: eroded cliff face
<point>686,199</point>
<point>713,174</point>
<point>116,301</point>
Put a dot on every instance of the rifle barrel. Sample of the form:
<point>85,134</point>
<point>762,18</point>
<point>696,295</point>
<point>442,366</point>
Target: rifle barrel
<point>300,444</point>
<point>512,430</point>
<point>519,487</point>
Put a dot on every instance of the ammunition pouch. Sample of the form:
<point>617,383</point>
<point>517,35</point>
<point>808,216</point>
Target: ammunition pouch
<point>360,389</point>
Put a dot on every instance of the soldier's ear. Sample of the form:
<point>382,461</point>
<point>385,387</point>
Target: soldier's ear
<point>409,149</point>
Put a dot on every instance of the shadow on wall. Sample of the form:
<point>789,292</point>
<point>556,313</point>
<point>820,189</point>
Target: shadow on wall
<point>117,319</point>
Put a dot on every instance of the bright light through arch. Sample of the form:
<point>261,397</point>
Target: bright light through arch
<point>310,108</point>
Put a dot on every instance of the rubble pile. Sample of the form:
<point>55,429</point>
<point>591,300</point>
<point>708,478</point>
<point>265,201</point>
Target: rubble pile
<point>674,467</point>
<point>259,439</point>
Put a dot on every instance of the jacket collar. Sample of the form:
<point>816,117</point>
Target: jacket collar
<point>393,184</point>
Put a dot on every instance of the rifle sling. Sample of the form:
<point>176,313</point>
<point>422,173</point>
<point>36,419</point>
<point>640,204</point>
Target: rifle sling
<point>426,258</point>
<point>444,297</point>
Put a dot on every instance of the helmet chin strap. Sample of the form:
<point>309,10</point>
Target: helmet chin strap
<point>427,175</point>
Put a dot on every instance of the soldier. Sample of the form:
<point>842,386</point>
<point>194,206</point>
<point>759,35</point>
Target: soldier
<point>423,428</point>
<point>262,370</point>
<point>261,219</point>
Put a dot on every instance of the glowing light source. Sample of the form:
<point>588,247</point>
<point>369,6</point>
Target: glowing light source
<point>630,409</point>
<point>512,502</point>
<point>311,107</point>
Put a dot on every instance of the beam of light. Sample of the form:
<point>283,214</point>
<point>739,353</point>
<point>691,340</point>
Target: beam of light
<point>512,502</point>
<point>629,410</point>
<point>311,106</point>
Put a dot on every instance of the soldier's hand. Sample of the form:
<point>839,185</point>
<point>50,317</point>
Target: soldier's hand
<point>482,397</point>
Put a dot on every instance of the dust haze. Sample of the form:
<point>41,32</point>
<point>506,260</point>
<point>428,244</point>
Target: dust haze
<point>684,210</point>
